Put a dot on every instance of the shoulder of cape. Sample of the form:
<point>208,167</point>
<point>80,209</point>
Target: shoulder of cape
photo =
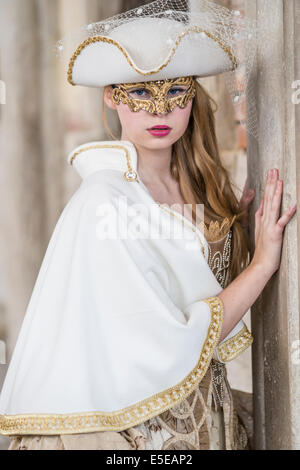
<point>92,201</point>
<point>95,191</point>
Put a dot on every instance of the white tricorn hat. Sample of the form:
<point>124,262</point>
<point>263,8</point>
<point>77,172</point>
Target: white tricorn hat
<point>149,49</point>
<point>167,39</point>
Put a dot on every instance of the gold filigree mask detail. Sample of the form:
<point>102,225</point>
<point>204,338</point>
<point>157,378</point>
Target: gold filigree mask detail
<point>158,96</point>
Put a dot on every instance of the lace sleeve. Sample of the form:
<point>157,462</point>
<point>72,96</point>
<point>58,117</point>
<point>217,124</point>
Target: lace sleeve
<point>219,239</point>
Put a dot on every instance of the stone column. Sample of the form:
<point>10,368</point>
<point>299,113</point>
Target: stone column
<point>51,111</point>
<point>31,148</point>
<point>22,195</point>
<point>275,315</point>
<point>83,105</point>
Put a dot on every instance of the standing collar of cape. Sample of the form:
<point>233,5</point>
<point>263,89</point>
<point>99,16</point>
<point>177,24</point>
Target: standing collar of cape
<point>104,155</point>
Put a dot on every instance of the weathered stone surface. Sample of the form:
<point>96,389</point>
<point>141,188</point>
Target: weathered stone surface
<point>275,315</point>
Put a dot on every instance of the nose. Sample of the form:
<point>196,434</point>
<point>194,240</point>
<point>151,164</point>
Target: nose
<point>161,111</point>
<point>160,107</point>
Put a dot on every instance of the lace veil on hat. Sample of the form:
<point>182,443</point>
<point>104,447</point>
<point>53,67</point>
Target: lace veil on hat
<point>168,39</point>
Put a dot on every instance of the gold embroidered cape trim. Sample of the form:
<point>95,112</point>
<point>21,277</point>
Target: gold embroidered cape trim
<point>193,29</point>
<point>234,346</point>
<point>129,175</point>
<point>73,423</point>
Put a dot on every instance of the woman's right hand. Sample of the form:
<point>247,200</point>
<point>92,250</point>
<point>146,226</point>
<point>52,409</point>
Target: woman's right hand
<point>269,227</point>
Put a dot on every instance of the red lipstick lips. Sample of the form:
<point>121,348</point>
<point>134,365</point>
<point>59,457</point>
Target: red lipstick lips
<point>159,131</point>
<point>159,127</point>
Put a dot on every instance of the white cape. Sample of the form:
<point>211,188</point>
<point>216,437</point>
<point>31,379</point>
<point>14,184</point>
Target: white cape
<point>120,329</point>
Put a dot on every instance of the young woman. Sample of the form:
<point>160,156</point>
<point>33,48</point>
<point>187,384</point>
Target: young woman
<point>126,337</point>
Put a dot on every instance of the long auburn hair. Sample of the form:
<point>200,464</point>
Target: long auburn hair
<point>202,178</point>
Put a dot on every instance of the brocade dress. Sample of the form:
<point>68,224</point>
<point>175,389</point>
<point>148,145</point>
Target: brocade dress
<point>206,420</point>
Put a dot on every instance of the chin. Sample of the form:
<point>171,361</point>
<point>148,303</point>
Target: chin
<point>161,140</point>
<point>159,143</point>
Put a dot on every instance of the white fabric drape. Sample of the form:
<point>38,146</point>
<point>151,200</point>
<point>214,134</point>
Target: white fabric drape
<point>98,300</point>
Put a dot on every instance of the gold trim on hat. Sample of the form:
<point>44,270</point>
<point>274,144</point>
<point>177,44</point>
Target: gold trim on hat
<point>192,29</point>
<point>74,423</point>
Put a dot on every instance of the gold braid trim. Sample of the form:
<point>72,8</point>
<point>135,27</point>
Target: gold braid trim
<point>75,423</point>
<point>129,175</point>
<point>193,29</point>
<point>234,346</point>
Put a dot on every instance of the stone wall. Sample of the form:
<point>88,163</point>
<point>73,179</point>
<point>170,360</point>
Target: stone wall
<point>275,315</point>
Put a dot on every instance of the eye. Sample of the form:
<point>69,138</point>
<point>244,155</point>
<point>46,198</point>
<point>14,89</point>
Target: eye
<point>140,92</point>
<point>146,94</point>
<point>176,91</point>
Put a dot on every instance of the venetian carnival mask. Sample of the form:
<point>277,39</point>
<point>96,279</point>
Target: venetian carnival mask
<point>158,96</point>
